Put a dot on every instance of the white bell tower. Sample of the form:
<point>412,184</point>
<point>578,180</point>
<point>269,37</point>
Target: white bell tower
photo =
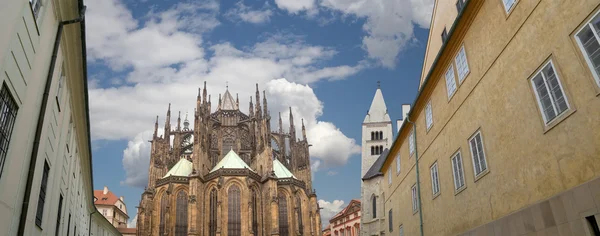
<point>377,132</point>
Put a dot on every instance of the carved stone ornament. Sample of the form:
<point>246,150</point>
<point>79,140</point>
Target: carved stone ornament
<point>192,199</point>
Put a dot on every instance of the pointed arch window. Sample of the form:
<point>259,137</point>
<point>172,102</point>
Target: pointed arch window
<point>374,202</point>
<point>164,202</point>
<point>212,225</point>
<point>283,215</point>
<point>181,215</point>
<point>234,221</point>
<point>299,214</point>
<point>372,135</point>
<point>254,212</point>
<point>372,150</point>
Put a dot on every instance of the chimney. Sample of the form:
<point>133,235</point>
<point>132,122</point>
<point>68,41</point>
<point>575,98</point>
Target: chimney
<point>122,198</point>
<point>105,190</point>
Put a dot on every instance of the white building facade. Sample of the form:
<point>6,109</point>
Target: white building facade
<point>45,152</point>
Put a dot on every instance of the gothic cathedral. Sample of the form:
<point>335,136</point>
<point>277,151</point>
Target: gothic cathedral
<point>229,175</point>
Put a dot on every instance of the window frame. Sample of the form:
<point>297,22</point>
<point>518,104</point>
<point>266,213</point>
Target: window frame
<point>398,163</point>
<point>558,116</point>
<point>483,171</point>
<point>391,221</point>
<point>415,200</point>
<point>450,94</point>
<point>434,174</point>
<point>428,115</point>
<point>457,188</point>
<point>41,203</point>
<point>390,176</point>
<point>411,142</point>
<point>512,6</point>
<point>8,119</point>
<point>401,230</point>
<point>462,50</point>
<point>588,23</point>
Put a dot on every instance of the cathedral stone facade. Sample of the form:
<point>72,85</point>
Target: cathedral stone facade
<point>229,175</point>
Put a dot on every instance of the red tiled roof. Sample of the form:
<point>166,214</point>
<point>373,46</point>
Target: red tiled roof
<point>127,230</point>
<point>105,199</point>
<point>345,210</point>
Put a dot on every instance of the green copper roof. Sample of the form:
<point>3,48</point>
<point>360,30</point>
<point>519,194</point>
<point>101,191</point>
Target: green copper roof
<point>281,171</point>
<point>182,168</point>
<point>231,161</point>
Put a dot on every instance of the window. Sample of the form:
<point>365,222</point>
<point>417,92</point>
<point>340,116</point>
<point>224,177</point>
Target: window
<point>8,112</point>
<point>398,163</point>
<point>435,181</point>
<point>444,35</point>
<point>508,4</point>
<point>588,39</point>
<point>478,154</point>
<point>549,93</point>
<point>458,172</point>
<point>390,221</point>
<point>460,4</point>
<point>69,225</point>
<point>428,115</point>
<point>390,176</point>
<point>450,82</point>
<point>299,215</point>
<point>415,201</point>
<point>35,6</point>
<point>234,221</point>
<point>593,225</point>
<point>104,212</point>
<point>401,230</point>
<point>254,211</point>
<point>181,217</point>
<point>374,202</point>
<point>283,216</point>
<point>60,200</point>
<point>212,225</point>
<point>462,66</point>
<point>164,201</point>
<point>411,142</point>
<point>42,195</point>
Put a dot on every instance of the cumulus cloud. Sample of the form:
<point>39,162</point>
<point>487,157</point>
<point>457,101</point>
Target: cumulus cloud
<point>247,14</point>
<point>154,79</point>
<point>330,209</point>
<point>388,23</point>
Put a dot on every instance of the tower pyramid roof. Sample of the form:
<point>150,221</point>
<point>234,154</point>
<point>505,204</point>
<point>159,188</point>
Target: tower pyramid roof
<point>182,168</point>
<point>281,171</point>
<point>228,102</point>
<point>231,161</point>
<point>378,110</point>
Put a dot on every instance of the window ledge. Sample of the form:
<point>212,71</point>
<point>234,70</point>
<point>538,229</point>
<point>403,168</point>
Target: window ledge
<point>436,195</point>
<point>415,212</point>
<point>480,175</point>
<point>559,119</point>
<point>459,190</point>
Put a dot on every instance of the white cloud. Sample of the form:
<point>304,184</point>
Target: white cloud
<point>156,78</point>
<point>295,6</point>
<point>133,222</point>
<point>332,173</point>
<point>330,209</point>
<point>388,25</point>
<point>247,14</point>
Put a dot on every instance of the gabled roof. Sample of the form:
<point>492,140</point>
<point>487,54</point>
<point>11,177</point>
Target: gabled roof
<point>105,199</point>
<point>347,209</point>
<point>182,168</point>
<point>228,102</point>
<point>378,110</point>
<point>375,169</point>
<point>231,161</point>
<point>281,171</point>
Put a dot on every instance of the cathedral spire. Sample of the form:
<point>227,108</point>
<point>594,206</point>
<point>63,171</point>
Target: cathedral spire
<point>265,108</point>
<point>251,110</point>
<point>186,122</point>
<point>292,128</point>
<point>204,92</point>
<point>156,128</point>
<point>179,121</point>
<point>168,122</point>
<point>303,130</point>
<point>237,101</point>
<point>219,107</point>
<point>280,124</point>
<point>258,108</point>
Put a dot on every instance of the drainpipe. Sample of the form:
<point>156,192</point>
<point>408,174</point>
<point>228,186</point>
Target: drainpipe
<point>40,122</point>
<point>418,181</point>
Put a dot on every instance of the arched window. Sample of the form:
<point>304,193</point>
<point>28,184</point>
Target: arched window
<point>372,150</point>
<point>234,221</point>
<point>164,201</point>
<point>283,216</point>
<point>380,134</point>
<point>212,225</point>
<point>372,135</point>
<point>181,216</point>
<point>299,214</point>
<point>380,149</point>
<point>254,212</point>
<point>374,202</point>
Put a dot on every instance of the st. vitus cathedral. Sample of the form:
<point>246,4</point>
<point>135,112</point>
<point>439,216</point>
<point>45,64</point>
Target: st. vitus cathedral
<point>229,174</point>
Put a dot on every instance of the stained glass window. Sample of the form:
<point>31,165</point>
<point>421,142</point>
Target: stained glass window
<point>163,210</point>
<point>212,225</point>
<point>283,216</point>
<point>254,212</point>
<point>181,216</point>
<point>299,212</point>
<point>234,221</point>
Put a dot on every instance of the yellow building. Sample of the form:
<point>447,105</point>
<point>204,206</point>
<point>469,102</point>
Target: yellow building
<point>506,124</point>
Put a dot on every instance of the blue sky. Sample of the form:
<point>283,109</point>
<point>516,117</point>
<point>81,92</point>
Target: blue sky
<point>321,57</point>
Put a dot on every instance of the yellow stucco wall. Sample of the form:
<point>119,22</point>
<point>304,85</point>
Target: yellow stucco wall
<point>527,160</point>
